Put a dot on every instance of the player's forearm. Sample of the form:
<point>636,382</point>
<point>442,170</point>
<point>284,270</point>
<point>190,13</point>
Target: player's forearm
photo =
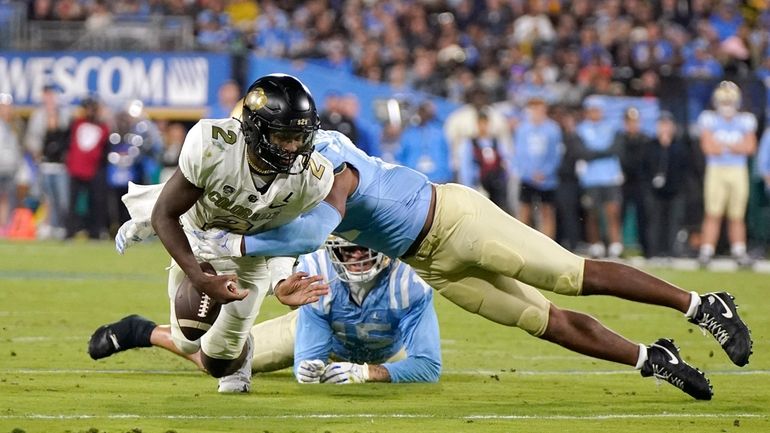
<point>172,236</point>
<point>378,373</point>
<point>303,235</point>
<point>414,369</point>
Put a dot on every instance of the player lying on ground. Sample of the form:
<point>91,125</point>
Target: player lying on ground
<point>487,262</point>
<point>377,324</point>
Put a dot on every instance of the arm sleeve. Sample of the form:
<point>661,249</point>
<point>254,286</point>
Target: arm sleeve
<point>422,343</point>
<point>314,336</point>
<point>302,235</point>
<point>191,157</point>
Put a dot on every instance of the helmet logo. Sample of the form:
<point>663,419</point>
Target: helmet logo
<point>302,122</point>
<point>256,99</point>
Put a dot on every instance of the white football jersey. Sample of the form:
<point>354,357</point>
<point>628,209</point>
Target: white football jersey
<point>214,158</point>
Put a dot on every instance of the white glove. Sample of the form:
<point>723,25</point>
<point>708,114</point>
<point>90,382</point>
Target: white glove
<point>132,232</point>
<point>309,371</point>
<point>216,243</point>
<point>345,372</point>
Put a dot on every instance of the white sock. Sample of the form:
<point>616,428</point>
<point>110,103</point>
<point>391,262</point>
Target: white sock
<point>642,356</point>
<point>738,249</point>
<point>694,304</point>
<point>707,250</point>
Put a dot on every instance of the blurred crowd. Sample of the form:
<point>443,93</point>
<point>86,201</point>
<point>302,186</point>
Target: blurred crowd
<point>532,130</point>
<point>559,49</point>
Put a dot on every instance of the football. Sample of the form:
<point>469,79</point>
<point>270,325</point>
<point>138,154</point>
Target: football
<point>195,313</point>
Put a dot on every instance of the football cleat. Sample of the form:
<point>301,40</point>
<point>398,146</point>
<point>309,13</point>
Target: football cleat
<point>718,315</point>
<point>664,363</point>
<point>127,333</point>
<point>240,381</point>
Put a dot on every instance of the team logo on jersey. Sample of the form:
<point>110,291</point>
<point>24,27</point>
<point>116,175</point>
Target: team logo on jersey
<point>228,189</point>
<point>256,99</point>
<point>252,198</point>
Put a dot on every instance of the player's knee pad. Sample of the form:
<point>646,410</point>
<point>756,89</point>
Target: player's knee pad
<point>533,320</point>
<point>569,283</point>
<point>500,258</point>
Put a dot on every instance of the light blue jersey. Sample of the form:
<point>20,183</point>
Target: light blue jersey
<point>397,313</point>
<point>538,150</point>
<point>389,207</point>
<point>598,136</point>
<point>727,132</point>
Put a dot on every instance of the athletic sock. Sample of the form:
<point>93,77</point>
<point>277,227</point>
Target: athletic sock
<point>642,356</point>
<point>133,331</point>
<point>694,304</point>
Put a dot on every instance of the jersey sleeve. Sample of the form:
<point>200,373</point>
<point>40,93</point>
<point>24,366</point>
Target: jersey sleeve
<point>748,123</point>
<point>420,331</point>
<point>319,181</point>
<point>314,336</point>
<point>191,157</point>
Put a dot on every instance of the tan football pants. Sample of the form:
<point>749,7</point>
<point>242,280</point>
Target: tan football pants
<point>489,263</point>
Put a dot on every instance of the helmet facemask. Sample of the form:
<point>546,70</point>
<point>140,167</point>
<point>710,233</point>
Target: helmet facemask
<point>268,144</point>
<point>353,263</point>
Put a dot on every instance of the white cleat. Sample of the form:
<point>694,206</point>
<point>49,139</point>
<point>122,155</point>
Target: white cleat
<point>240,381</point>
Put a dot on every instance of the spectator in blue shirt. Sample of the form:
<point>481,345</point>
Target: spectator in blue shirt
<point>424,146</point>
<point>538,148</point>
<point>601,179</point>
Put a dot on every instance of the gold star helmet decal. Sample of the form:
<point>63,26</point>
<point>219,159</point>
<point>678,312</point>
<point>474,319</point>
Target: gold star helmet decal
<point>256,99</point>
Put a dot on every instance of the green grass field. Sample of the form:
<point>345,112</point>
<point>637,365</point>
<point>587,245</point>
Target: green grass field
<point>496,379</point>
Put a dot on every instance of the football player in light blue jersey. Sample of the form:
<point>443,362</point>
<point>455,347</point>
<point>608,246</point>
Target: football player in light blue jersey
<point>727,138</point>
<point>376,310</point>
<point>485,261</point>
<point>376,324</point>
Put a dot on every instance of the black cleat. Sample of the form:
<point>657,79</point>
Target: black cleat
<point>664,362</point>
<point>127,333</point>
<point>718,315</point>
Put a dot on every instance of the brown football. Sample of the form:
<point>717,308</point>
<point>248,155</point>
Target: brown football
<point>195,313</point>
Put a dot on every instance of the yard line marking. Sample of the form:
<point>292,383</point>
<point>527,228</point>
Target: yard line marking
<point>621,416</point>
<point>74,276</point>
<point>445,372</point>
<point>39,338</point>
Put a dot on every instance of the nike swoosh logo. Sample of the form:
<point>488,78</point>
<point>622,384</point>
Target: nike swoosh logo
<point>275,206</point>
<point>728,314</point>
<point>673,359</point>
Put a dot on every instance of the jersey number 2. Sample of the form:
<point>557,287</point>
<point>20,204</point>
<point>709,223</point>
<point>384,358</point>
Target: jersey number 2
<point>228,136</point>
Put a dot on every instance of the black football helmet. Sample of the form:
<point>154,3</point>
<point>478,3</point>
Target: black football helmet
<point>279,108</point>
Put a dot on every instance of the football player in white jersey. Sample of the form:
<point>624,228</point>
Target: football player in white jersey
<point>245,175</point>
<point>728,138</point>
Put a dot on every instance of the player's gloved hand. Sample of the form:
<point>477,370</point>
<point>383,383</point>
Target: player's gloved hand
<point>309,371</point>
<point>216,243</point>
<point>345,372</point>
<point>300,289</point>
<point>131,233</point>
